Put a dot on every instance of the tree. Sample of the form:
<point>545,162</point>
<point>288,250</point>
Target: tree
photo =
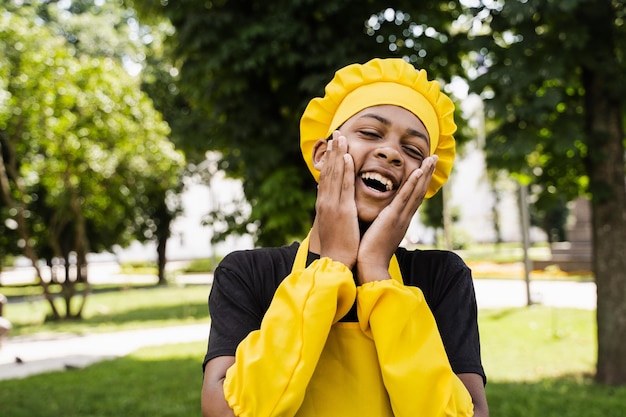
<point>554,77</point>
<point>109,30</point>
<point>248,68</point>
<point>87,157</point>
<point>158,80</point>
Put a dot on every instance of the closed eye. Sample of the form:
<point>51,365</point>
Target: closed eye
<point>415,153</point>
<point>370,134</point>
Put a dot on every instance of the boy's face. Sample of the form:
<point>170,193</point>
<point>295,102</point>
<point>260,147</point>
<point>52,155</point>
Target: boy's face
<point>387,143</point>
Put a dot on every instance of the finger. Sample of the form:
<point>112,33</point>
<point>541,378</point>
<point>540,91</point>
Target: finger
<point>423,182</point>
<point>347,192</point>
<point>435,159</point>
<point>411,195</point>
<point>337,182</point>
<point>337,156</point>
<point>332,171</point>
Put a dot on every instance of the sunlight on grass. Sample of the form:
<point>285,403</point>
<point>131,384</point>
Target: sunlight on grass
<point>506,261</point>
<point>503,252</point>
<point>118,310</point>
<point>153,382</point>
<point>528,344</point>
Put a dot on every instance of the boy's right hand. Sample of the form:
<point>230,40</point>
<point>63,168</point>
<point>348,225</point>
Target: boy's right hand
<point>336,207</point>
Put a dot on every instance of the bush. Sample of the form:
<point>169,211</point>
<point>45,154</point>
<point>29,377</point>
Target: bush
<point>139,267</point>
<point>201,265</point>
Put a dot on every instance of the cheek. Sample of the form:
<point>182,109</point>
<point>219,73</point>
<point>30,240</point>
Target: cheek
<point>357,156</point>
<point>412,165</point>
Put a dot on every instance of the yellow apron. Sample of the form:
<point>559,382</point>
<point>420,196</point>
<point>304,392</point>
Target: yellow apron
<point>347,380</point>
<point>304,362</point>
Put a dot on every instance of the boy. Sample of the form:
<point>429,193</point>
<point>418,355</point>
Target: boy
<point>347,323</point>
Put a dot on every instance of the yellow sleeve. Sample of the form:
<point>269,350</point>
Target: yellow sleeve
<point>414,365</point>
<point>274,364</point>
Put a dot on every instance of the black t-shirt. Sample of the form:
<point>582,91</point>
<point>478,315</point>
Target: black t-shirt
<point>245,282</point>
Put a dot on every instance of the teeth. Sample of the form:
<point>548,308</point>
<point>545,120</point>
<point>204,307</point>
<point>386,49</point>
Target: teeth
<point>377,177</point>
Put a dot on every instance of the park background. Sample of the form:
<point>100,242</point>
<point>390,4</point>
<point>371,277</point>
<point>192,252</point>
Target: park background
<point>108,109</point>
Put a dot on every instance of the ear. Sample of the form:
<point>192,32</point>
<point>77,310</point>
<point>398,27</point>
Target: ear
<point>319,151</point>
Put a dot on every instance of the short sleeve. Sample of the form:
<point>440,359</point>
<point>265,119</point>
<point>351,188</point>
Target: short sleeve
<point>243,286</point>
<point>233,316</point>
<point>457,319</point>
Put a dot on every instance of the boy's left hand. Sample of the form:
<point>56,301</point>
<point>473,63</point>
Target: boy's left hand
<point>385,234</point>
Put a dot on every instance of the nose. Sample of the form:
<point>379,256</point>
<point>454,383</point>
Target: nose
<point>390,154</point>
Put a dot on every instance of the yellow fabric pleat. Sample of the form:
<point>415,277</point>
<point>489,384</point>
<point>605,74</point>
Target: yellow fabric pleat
<point>413,362</point>
<point>303,362</point>
<point>347,381</point>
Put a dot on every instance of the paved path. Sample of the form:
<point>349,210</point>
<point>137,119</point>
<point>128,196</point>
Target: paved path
<point>492,293</point>
<point>39,354</point>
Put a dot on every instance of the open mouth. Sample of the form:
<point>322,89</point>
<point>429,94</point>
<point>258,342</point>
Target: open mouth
<point>377,181</point>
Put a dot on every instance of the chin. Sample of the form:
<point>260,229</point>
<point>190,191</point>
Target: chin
<point>368,210</point>
<point>368,216</point>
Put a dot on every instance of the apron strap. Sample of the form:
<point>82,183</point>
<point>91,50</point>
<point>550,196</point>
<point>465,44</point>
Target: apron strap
<point>303,251</point>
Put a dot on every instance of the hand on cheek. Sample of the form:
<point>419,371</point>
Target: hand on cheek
<point>336,206</point>
<point>387,231</point>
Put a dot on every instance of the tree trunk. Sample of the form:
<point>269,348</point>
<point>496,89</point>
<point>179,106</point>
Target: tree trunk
<point>608,188</point>
<point>162,259</point>
<point>163,219</point>
<point>81,245</point>
<point>67,288</point>
<point>29,251</point>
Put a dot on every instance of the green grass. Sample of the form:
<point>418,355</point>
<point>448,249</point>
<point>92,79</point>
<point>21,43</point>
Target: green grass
<point>166,381</point>
<point>153,382</point>
<point>505,261</point>
<point>539,361</point>
<point>555,397</point>
<point>530,344</point>
<point>503,252</point>
<point>116,308</point>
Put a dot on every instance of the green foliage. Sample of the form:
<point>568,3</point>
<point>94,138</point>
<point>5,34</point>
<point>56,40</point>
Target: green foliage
<point>533,69</point>
<point>554,77</point>
<point>246,81</point>
<point>204,265</point>
<point>431,211</point>
<point>139,267</point>
<point>550,212</point>
<point>79,132</point>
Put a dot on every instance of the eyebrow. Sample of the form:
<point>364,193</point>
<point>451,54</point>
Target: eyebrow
<point>387,122</point>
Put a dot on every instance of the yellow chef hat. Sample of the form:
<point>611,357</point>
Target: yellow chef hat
<point>383,81</point>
